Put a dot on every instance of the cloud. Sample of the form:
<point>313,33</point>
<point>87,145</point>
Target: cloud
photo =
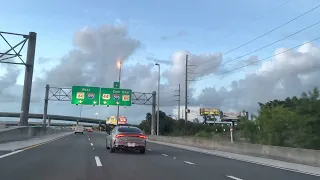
<point>288,74</point>
<point>177,35</point>
<point>93,62</point>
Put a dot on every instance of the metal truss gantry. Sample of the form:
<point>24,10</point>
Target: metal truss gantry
<point>12,53</point>
<point>64,94</point>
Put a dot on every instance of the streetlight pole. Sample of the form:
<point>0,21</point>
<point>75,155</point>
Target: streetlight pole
<point>119,64</point>
<point>158,114</point>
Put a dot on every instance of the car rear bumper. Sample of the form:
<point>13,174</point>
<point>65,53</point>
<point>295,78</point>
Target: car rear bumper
<point>125,145</point>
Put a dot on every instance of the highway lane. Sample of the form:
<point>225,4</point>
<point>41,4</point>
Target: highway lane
<point>215,164</point>
<point>84,157</point>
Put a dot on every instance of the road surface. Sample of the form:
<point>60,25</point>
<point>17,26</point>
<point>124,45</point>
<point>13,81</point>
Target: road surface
<point>84,157</point>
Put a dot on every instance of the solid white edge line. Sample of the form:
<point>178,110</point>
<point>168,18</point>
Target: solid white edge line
<point>235,178</point>
<point>149,149</point>
<point>188,162</point>
<point>9,154</point>
<point>98,162</point>
<point>174,158</point>
<point>164,154</point>
<point>91,144</point>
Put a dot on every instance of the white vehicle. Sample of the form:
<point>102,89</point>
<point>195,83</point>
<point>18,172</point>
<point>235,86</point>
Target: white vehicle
<point>79,129</point>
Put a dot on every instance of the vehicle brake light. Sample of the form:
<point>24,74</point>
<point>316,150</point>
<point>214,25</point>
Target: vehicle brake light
<point>143,136</point>
<point>119,135</point>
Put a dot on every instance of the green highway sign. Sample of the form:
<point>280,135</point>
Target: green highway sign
<point>85,95</point>
<point>115,97</point>
<point>116,84</point>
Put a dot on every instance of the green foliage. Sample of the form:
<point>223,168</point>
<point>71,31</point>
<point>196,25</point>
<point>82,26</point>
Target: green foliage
<point>292,122</point>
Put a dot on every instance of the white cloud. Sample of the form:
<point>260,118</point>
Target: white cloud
<point>93,62</point>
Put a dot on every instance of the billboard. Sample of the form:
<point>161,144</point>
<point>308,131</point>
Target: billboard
<point>122,120</point>
<point>209,111</point>
<point>233,115</point>
<point>112,120</point>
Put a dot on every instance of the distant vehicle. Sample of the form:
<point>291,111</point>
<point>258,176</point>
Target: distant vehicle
<point>90,130</point>
<point>79,129</point>
<point>126,138</point>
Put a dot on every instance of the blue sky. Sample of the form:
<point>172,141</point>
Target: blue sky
<point>206,22</point>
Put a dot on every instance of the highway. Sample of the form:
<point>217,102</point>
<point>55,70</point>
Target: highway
<point>84,157</point>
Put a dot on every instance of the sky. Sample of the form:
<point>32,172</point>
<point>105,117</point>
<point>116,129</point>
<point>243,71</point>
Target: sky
<point>73,35</point>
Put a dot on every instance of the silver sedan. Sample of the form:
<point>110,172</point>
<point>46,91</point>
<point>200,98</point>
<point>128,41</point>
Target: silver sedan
<point>126,137</point>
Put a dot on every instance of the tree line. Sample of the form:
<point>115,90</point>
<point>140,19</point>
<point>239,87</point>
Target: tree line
<point>292,122</point>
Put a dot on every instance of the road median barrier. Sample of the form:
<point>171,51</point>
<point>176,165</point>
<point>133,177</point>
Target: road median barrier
<point>24,133</point>
<point>295,155</point>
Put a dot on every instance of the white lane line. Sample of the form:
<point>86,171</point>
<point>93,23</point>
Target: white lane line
<point>149,149</point>
<point>164,154</point>
<point>91,144</point>
<point>92,148</point>
<point>174,158</point>
<point>89,139</point>
<point>9,154</point>
<point>235,178</point>
<point>98,162</point>
<point>188,162</point>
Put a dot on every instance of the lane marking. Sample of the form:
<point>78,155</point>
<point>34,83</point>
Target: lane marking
<point>174,158</point>
<point>89,139</point>
<point>98,162</point>
<point>91,144</point>
<point>188,162</point>
<point>149,149</point>
<point>92,148</point>
<point>9,154</point>
<point>164,154</point>
<point>235,178</point>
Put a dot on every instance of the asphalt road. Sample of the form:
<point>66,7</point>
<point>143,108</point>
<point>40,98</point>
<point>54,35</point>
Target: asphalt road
<point>84,157</point>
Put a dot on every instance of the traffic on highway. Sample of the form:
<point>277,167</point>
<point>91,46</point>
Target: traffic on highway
<point>125,154</point>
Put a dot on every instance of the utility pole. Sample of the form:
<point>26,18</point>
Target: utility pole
<point>186,92</point>
<point>178,95</point>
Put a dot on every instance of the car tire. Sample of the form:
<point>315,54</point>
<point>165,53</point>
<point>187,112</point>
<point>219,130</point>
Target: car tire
<point>112,149</point>
<point>107,147</point>
<point>82,133</point>
<point>143,151</point>
<point>75,132</point>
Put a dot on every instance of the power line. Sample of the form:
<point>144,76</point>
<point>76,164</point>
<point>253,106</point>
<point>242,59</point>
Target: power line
<point>253,20</point>
<point>260,60</point>
<point>272,30</point>
<point>263,47</point>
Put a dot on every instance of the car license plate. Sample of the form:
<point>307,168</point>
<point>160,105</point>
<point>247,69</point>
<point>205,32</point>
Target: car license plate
<point>131,144</point>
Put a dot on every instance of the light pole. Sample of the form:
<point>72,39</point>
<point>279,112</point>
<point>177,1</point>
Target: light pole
<point>157,64</point>
<point>119,64</point>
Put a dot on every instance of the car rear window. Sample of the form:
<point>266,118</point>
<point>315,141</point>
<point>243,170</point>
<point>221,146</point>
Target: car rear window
<point>129,130</point>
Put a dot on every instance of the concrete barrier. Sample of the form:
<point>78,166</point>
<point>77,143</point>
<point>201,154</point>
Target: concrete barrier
<point>24,133</point>
<point>295,155</point>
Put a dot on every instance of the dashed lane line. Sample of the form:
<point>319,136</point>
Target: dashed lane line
<point>91,144</point>
<point>164,154</point>
<point>187,162</point>
<point>235,178</point>
<point>98,162</point>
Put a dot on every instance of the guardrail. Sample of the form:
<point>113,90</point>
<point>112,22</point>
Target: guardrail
<point>295,155</point>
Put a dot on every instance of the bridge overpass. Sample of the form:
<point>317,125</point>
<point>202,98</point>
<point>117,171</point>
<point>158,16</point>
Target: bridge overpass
<point>54,117</point>
<point>15,123</point>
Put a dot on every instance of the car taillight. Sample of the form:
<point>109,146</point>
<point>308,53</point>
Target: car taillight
<point>143,136</point>
<point>119,135</point>
<point>132,135</point>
